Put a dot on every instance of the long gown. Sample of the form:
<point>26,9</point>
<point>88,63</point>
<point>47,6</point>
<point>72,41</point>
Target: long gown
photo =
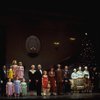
<point>20,72</point>
<point>52,81</point>
<point>44,82</point>
<point>32,83</point>
<point>24,88</point>
<point>14,68</point>
<point>9,88</point>
<point>17,86</point>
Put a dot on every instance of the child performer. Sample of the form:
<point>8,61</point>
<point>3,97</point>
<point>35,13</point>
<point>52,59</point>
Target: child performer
<point>24,87</point>
<point>10,73</point>
<point>9,88</point>
<point>14,68</point>
<point>20,71</point>
<point>45,83</point>
<point>17,87</point>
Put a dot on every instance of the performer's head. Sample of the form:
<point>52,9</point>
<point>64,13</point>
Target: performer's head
<point>33,67</point>
<point>80,68</point>
<point>4,67</point>
<point>23,80</point>
<point>14,62</point>
<point>20,63</point>
<point>39,66</point>
<point>74,70</point>
<point>66,67</point>
<point>52,69</point>
<point>45,72</point>
<point>85,67</point>
<point>9,79</point>
<point>59,66</point>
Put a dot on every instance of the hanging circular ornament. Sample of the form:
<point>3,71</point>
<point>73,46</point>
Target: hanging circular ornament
<point>33,44</point>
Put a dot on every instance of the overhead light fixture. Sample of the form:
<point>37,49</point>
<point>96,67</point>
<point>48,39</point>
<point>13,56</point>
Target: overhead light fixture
<point>71,38</point>
<point>86,34</point>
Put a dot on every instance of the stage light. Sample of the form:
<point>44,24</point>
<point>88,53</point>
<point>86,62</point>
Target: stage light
<point>86,34</point>
<point>72,39</point>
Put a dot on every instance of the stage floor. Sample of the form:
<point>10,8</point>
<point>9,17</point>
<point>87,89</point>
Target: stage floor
<point>79,96</point>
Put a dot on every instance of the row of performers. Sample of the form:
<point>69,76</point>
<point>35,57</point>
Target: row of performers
<point>54,81</point>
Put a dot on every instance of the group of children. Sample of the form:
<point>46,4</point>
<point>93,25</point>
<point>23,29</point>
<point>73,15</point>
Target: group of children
<point>16,87</point>
<point>16,84</point>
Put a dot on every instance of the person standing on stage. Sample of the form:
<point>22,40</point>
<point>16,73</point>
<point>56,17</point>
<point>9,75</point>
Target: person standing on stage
<point>51,75</point>
<point>9,88</point>
<point>45,82</point>
<point>17,87</point>
<point>38,77</point>
<point>20,70</point>
<point>86,78</point>
<point>59,79</point>
<point>3,80</point>
<point>80,79</point>
<point>14,68</point>
<point>23,87</point>
<point>74,77</point>
<point>95,80</point>
<point>32,79</point>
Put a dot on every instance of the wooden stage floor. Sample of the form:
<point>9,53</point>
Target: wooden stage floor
<point>76,96</point>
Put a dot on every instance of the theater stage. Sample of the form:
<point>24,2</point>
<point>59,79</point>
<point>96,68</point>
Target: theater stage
<point>76,96</point>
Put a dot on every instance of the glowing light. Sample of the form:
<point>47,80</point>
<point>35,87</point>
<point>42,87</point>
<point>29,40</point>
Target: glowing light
<point>56,43</point>
<point>71,38</point>
<point>86,34</point>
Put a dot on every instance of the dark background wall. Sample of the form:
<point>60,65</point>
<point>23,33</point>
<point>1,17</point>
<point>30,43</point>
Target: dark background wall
<point>49,27</point>
<point>2,46</point>
<point>48,31</point>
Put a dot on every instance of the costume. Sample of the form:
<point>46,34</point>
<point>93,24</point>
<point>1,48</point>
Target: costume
<point>20,72</point>
<point>52,82</point>
<point>80,80</point>
<point>14,68</point>
<point>66,85</point>
<point>59,78</point>
<point>45,82</point>
<point>24,88</point>
<point>9,88</point>
<point>74,77</point>
<point>4,81</point>
<point>17,86</point>
<point>32,83</point>
<point>38,77</point>
<point>10,73</point>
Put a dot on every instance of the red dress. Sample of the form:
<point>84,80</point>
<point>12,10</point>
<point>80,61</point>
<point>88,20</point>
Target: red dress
<point>45,82</point>
<point>52,81</point>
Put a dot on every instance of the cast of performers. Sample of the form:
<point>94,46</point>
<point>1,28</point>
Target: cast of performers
<point>52,82</point>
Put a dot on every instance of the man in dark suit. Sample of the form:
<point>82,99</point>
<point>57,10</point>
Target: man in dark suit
<point>3,74</point>
<point>39,80</point>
